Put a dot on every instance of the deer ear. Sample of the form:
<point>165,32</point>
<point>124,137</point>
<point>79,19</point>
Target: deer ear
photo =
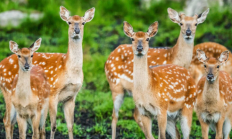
<point>89,15</point>
<point>13,47</point>
<point>201,17</point>
<point>128,29</point>
<point>35,46</point>
<point>153,29</point>
<point>64,13</point>
<point>201,56</point>
<point>224,57</point>
<point>173,15</point>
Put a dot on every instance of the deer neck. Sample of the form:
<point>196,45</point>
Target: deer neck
<point>23,87</point>
<point>74,59</point>
<point>211,91</point>
<point>141,75</point>
<point>182,52</point>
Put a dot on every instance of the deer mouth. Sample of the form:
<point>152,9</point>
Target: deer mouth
<point>139,53</point>
<point>211,80</point>
<point>188,37</point>
<point>76,36</point>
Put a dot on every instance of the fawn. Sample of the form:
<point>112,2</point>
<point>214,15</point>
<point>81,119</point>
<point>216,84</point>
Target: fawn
<point>30,92</point>
<point>214,99</point>
<point>165,91</point>
<point>211,49</point>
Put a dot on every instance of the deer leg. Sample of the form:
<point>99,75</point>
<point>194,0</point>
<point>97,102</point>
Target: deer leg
<point>144,122</point>
<point>226,128</point>
<point>42,123</point>
<point>162,123</point>
<point>22,125</point>
<point>172,129</point>
<point>9,120</point>
<point>219,126</point>
<point>204,127</point>
<point>69,115</point>
<point>35,125</point>
<point>118,96</point>
<point>53,102</point>
<point>186,121</point>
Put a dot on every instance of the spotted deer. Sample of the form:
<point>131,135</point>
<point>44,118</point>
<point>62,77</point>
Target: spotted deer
<point>211,49</point>
<point>166,91</point>
<point>30,92</point>
<point>119,65</point>
<point>63,71</point>
<point>214,99</point>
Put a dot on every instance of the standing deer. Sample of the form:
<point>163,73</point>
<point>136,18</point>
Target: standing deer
<point>211,49</point>
<point>63,71</point>
<point>119,65</point>
<point>214,99</point>
<point>165,91</point>
<point>30,92</point>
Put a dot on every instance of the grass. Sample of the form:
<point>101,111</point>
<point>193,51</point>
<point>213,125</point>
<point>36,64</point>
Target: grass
<point>102,35</point>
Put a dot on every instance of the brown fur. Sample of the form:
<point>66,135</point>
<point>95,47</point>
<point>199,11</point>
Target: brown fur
<point>214,104</point>
<point>161,90</point>
<point>211,49</point>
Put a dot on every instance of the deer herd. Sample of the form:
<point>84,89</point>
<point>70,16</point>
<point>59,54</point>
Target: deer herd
<point>167,84</point>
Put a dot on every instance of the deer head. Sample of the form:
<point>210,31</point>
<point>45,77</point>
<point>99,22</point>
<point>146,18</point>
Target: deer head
<point>76,23</point>
<point>140,40</point>
<point>188,24</point>
<point>212,65</point>
<point>25,55</point>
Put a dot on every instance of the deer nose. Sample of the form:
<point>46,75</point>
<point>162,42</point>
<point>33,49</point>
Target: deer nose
<point>140,48</point>
<point>26,66</point>
<point>210,76</point>
<point>188,32</point>
<point>77,30</point>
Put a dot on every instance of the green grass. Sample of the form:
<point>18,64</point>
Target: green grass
<point>101,36</point>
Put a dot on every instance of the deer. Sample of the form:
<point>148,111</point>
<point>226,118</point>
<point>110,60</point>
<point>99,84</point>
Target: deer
<point>119,65</point>
<point>214,98</point>
<point>30,92</point>
<point>167,91</point>
<point>63,71</point>
<point>211,49</point>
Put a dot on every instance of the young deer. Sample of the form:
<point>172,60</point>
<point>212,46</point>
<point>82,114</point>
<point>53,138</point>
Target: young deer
<point>214,99</point>
<point>211,49</point>
<point>63,71</point>
<point>30,92</point>
<point>166,91</point>
<point>119,65</point>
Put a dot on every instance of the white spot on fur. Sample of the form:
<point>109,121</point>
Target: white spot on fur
<point>11,61</point>
<point>123,76</point>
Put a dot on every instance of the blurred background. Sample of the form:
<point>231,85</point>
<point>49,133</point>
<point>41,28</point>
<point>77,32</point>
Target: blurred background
<point>24,21</point>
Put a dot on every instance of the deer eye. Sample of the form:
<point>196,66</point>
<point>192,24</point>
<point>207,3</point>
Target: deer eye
<point>196,24</point>
<point>205,66</point>
<point>147,39</point>
<point>69,23</point>
<point>181,24</point>
<point>83,23</point>
<point>218,66</point>
<point>132,39</point>
<point>31,55</point>
<point>19,56</point>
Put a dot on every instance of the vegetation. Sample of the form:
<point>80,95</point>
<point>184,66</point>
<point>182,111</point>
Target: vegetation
<point>102,35</point>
